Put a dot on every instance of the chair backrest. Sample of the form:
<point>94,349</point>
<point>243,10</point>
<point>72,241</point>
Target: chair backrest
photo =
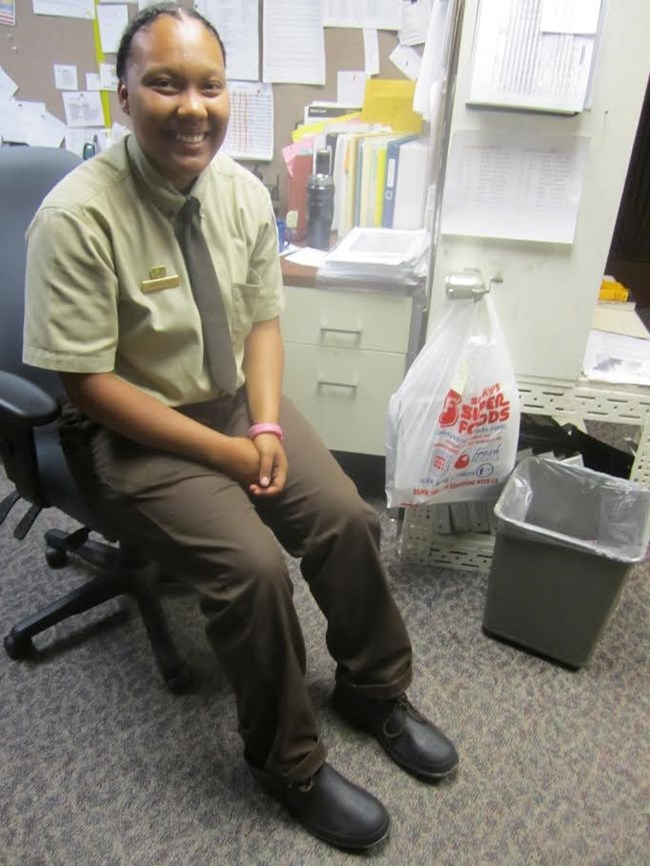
<point>27,174</point>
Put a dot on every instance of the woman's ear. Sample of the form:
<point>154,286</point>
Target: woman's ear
<point>123,97</point>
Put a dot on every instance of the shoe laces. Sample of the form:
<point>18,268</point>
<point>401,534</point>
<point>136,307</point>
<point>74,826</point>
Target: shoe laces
<point>401,703</point>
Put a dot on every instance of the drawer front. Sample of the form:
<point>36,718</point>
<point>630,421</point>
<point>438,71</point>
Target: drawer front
<point>347,320</point>
<point>343,393</point>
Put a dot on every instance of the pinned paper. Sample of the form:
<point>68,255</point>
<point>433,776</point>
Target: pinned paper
<point>65,77</point>
<point>83,108</point>
<point>112,21</point>
<point>350,86</point>
<point>107,77</point>
<point>407,60</point>
<point>7,85</point>
<point>390,102</point>
<point>371,51</point>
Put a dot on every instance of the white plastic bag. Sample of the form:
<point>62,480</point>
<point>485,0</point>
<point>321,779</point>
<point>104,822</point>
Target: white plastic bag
<point>453,424</point>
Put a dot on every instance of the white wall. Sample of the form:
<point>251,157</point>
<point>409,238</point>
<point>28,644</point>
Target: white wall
<point>549,292</point>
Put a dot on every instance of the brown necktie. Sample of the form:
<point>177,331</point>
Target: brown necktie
<point>207,295</point>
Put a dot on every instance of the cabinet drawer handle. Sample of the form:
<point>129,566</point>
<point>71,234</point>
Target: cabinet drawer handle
<point>356,332</point>
<point>325,383</point>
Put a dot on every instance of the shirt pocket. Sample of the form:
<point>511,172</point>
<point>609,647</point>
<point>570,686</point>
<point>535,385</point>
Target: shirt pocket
<point>244,298</point>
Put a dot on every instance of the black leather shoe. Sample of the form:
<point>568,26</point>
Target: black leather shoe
<point>411,740</point>
<point>331,808</point>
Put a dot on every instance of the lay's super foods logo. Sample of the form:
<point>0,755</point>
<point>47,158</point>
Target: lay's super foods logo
<point>490,407</point>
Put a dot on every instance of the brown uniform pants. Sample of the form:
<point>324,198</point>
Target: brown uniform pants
<point>207,531</point>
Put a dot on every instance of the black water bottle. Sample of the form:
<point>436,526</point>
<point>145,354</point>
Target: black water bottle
<point>320,202</point>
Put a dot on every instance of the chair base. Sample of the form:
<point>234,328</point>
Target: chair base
<point>125,572</point>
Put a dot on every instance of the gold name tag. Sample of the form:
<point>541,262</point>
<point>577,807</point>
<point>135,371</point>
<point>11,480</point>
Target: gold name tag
<point>160,283</point>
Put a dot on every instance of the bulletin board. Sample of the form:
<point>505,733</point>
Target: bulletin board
<point>29,51</point>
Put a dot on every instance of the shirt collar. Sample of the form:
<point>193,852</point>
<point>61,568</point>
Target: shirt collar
<point>162,193</point>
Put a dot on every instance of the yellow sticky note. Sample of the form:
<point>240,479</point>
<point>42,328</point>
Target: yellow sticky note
<point>390,101</point>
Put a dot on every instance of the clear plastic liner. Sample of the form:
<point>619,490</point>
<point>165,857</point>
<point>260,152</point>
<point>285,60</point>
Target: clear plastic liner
<point>570,506</point>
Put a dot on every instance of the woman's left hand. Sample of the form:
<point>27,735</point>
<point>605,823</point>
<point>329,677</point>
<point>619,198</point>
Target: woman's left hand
<point>273,466</point>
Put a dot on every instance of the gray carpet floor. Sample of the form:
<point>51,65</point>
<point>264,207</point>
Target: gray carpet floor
<point>102,765</point>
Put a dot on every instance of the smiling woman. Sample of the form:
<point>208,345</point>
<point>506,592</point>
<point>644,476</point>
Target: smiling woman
<point>173,87</point>
<point>154,289</point>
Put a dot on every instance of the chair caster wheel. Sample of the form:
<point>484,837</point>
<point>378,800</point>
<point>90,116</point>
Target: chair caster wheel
<point>18,648</point>
<point>55,558</point>
<point>179,681</point>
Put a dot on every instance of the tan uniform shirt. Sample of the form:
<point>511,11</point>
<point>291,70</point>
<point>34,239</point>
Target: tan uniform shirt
<point>107,289</point>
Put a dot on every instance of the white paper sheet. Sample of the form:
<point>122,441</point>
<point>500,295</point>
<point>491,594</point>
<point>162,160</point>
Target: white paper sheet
<point>65,77</point>
<point>616,358</point>
<point>83,108</point>
<point>434,59</point>
<point>250,130</point>
<point>371,51</point>
<point>92,81</point>
<point>507,184</point>
<point>380,14</point>
<point>350,86</point>
<point>294,43</point>
<point>107,77</point>
<point>407,60</point>
<point>75,139</point>
<point>7,85</point>
<point>414,21</point>
<point>65,8</point>
<point>515,64</point>
<point>112,21</point>
<point>23,122</point>
<point>309,257</point>
<point>238,24</point>
<point>15,118</point>
<point>570,16</point>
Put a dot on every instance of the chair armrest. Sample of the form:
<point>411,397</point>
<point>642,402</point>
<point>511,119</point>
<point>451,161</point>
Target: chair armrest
<point>24,403</point>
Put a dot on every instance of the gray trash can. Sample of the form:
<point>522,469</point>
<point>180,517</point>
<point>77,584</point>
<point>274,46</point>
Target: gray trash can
<point>567,537</point>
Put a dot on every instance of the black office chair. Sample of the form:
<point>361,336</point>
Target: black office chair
<point>29,445</point>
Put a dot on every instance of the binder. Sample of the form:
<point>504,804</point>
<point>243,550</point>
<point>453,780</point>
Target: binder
<point>411,184</point>
<point>347,216</point>
<point>392,164</point>
<point>380,184</point>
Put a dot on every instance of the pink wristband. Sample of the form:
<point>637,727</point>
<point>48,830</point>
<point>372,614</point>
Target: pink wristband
<point>265,427</point>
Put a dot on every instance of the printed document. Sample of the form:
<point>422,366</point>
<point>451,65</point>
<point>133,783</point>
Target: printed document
<point>294,42</point>
<point>509,184</point>
<point>65,8</point>
<point>238,24</point>
<point>250,131</point>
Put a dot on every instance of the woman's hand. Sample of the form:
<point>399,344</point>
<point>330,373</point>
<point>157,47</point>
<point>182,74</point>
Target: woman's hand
<point>272,466</point>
